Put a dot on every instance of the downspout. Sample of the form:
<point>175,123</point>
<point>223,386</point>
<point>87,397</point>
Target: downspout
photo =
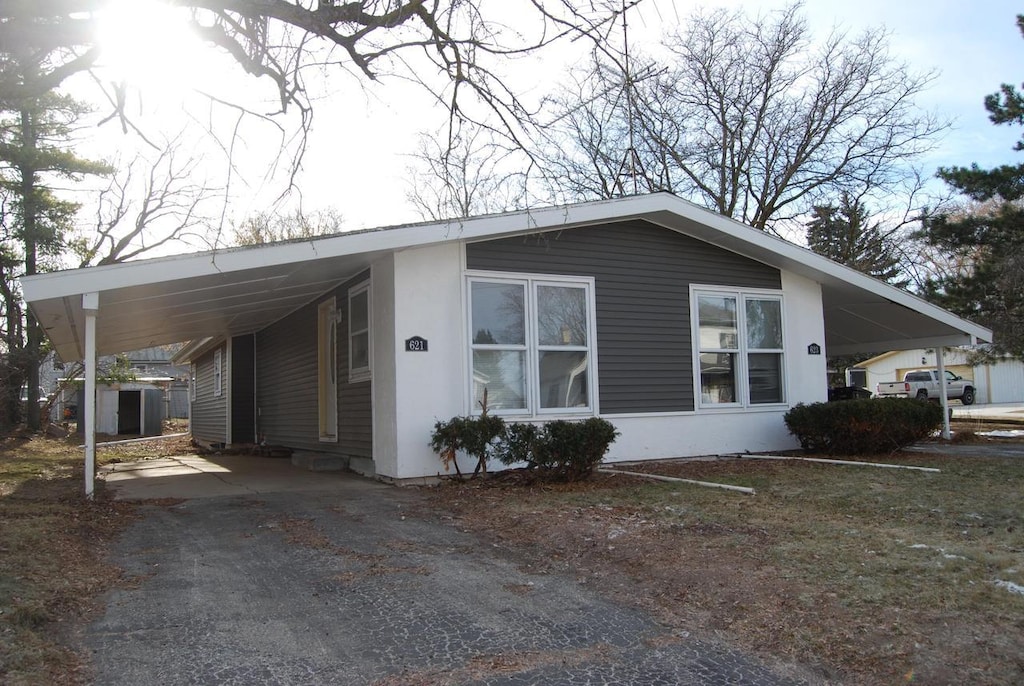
<point>91,306</point>
<point>940,362</point>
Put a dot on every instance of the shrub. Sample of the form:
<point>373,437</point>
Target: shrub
<point>557,450</point>
<point>856,427</point>
<point>476,436</point>
<point>560,449</point>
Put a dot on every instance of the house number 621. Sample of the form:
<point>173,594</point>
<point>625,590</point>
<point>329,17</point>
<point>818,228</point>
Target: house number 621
<point>416,344</point>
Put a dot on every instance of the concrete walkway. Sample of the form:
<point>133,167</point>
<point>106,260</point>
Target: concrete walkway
<point>334,579</point>
<point>192,476</point>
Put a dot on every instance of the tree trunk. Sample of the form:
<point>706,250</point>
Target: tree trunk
<point>30,227</point>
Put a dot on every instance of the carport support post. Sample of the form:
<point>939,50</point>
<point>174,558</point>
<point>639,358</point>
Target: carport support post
<point>940,364</point>
<point>91,306</point>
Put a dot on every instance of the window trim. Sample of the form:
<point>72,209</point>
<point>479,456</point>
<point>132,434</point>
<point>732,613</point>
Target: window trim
<point>742,351</point>
<point>360,374</point>
<point>218,372</point>
<point>532,348</point>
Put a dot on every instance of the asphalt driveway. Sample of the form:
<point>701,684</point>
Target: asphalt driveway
<point>362,583</point>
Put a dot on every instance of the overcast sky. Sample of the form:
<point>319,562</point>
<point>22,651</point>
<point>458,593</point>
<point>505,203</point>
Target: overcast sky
<point>357,160</point>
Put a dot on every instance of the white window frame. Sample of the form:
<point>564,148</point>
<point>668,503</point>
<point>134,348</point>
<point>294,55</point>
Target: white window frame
<point>531,346</point>
<point>742,350</point>
<point>359,374</point>
<point>218,372</point>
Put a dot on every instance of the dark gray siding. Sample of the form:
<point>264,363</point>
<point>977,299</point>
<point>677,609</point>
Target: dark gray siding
<point>209,412</point>
<point>286,384</point>
<point>243,390</point>
<point>642,274</point>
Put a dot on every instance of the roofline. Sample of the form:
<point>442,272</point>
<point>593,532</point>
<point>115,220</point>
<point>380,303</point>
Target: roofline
<point>659,208</point>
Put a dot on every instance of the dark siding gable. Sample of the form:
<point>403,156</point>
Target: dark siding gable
<point>209,411</point>
<point>643,274</point>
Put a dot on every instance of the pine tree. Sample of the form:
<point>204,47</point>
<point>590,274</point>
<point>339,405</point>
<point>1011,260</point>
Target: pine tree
<point>36,129</point>
<point>845,233</point>
<point>992,236</point>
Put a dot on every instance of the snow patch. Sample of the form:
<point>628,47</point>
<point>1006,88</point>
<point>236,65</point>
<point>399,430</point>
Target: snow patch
<point>1010,586</point>
<point>1003,433</point>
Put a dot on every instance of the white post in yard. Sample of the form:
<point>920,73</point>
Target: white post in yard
<point>91,306</point>
<point>940,364</point>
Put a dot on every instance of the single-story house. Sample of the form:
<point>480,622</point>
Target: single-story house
<point>1001,381</point>
<point>692,333</point>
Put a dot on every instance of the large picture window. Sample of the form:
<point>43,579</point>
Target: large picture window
<point>531,343</point>
<point>740,348</point>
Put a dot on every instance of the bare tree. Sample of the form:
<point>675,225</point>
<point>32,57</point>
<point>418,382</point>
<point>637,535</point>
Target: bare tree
<point>269,227</point>
<point>747,117</point>
<point>474,174</point>
<point>283,41</point>
<point>148,204</point>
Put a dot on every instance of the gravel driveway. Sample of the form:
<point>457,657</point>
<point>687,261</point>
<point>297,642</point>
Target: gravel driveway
<point>366,584</point>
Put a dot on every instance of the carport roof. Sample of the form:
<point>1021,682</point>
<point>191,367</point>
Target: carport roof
<point>236,291</point>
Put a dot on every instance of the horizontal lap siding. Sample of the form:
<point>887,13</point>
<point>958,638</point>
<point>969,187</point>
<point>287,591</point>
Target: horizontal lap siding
<point>642,276</point>
<point>286,383</point>
<point>209,412</point>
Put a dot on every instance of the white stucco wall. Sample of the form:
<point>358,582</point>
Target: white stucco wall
<point>805,325</point>
<point>384,384</point>
<point>428,303</point>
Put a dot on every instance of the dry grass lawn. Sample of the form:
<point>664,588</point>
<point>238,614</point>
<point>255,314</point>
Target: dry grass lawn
<point>867,575</point>
<point>53,548</point>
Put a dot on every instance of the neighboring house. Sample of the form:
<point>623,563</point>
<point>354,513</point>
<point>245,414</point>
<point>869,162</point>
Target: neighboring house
<point>998,382</point>
<point>692,333</point>
<point>152,367</point>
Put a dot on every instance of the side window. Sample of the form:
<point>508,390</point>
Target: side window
<point>218,373</point>
<point>359,339</point>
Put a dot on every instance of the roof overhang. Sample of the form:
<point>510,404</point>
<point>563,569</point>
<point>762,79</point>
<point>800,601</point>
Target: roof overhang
<point>216,294</point>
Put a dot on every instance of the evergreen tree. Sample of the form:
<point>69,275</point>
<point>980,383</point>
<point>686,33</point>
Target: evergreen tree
<point>845,233</point>
<point>991,236</point>
<point>36,127</point>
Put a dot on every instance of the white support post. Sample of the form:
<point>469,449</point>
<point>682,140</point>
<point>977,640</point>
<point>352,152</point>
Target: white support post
<point>940,365</point>
<point>91,306</point>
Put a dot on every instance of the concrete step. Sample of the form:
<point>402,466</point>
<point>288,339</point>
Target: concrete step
<point>320,462</point>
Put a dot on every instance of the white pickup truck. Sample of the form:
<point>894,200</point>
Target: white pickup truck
<point>923,384</point>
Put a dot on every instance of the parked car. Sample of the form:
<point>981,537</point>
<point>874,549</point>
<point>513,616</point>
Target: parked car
<point>923,384</point>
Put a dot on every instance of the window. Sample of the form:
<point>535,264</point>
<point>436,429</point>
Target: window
<point>531,345</point>
<point>327,369</point>
<point>359,333</point>
<point>218,372</point>
<point>740,348</point>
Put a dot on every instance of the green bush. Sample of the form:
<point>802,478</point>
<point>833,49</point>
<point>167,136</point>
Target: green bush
<point>478,437</point>
<point>864,426</point>
<point>559,450</point>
